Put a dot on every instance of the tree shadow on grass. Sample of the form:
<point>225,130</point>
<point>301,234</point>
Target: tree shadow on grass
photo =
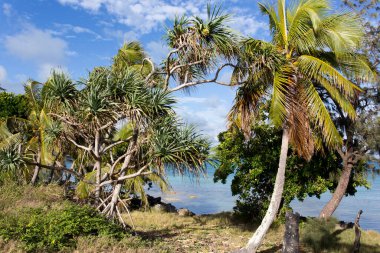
<point>274,249</point>
<point>154,235</point>
<point>228,219</point>
<point>323,236</point>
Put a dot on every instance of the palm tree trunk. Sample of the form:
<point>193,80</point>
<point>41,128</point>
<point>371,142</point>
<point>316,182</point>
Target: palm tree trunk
<point>340,190</point>
<point>36,168</point>
<point>274,205</point>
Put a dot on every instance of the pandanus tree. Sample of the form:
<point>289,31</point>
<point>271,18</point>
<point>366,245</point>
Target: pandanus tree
<point>312,50</point>
<point>116,163</point>
<point>200,49</point>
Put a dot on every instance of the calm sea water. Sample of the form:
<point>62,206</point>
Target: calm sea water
<point>205,196</point>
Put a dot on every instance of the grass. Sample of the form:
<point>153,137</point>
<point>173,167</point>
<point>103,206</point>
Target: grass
<point>168,232</point>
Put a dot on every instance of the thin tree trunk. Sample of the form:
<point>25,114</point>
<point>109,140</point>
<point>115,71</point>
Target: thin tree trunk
<point>97,166</point>
<point>340,190</point>
<point>358,233</point>
<point>36,168</point>
<point>258,237</point>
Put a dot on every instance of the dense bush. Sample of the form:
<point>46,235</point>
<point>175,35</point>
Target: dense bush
<point>54,230</point>
<point>13,105</point>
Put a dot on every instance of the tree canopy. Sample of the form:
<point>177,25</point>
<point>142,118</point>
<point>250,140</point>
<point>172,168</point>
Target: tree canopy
<point>253,166</point>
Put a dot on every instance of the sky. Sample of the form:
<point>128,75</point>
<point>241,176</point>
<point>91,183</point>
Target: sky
<point>74,36</point>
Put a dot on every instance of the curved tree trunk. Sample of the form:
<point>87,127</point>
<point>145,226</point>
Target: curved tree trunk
<point>36,168</point>
<point>258,237</point>
<point>340,190</point>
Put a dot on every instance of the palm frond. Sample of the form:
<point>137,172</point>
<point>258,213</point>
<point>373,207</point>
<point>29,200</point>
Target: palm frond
<point>278,108</point>
<point>321,116</point>
<point>318,69</point>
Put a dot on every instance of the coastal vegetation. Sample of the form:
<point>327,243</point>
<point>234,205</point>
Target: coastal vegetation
<point>42,226</point>
<point>254,187</point>
<point>75,155</point>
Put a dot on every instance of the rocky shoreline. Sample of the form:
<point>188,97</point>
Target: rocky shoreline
<point>156,204</point>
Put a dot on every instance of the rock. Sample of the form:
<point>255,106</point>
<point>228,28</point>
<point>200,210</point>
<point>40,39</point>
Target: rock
<point>162,207</point>
<point>185,212</point>
<point>170,208</point>
<point>159,208</point>
<point>153,201</point>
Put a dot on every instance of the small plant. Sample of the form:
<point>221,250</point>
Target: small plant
<point>54,230</point>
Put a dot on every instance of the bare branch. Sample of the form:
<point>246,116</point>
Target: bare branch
<point>151,64</point>
<point>63,119</point>
<point>115,144</point>
<point>184,65</point>
<point>106,125</point>
<point>59,168</point>
<point>79,146</point>
<point>213,80</point>
<point>167,78</point>
<point>140,172</point>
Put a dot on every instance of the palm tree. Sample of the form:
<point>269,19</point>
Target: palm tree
<point>312,51</point>
<point>36,122</point>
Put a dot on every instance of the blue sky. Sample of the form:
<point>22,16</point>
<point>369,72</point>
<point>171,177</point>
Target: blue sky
<point>37,36</point>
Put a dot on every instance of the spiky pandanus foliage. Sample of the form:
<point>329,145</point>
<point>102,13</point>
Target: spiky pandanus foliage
<point>198,48</point>
<point>115,162</point>
<point>313,50</point>
<point>12,160</point>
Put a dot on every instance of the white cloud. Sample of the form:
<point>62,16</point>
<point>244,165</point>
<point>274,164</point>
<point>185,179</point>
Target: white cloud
<point>3,73</point>
<point>207,113</point>
<point>92,5</point>
<point>67,29</point>
<point>121,36</point>
<point>157,50</point>
<point>7,9</point>
<point>36,45</point>
<point>145,16</point>
<point>141,15</point>
<point>39,47</point>
<point>248,25</point>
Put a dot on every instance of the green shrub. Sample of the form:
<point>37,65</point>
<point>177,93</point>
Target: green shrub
<point>318,234</point>
<point>54,230</point>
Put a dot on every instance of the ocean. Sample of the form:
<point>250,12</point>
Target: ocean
<point>203,196</point>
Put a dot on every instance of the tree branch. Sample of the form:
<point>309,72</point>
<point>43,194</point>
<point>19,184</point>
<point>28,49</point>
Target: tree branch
<point>151,64</point>
<point>213,80</point>
<point>63,119</point>
<point>106,125</point>
<point>140,172</point>
<point>115,144</point>
<point>78,145</point>
<point>60,168</point>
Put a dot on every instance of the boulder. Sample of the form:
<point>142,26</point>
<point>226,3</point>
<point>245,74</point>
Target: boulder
<point>159,208</point>
<point>153,201</point>
<point>185,212</point>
